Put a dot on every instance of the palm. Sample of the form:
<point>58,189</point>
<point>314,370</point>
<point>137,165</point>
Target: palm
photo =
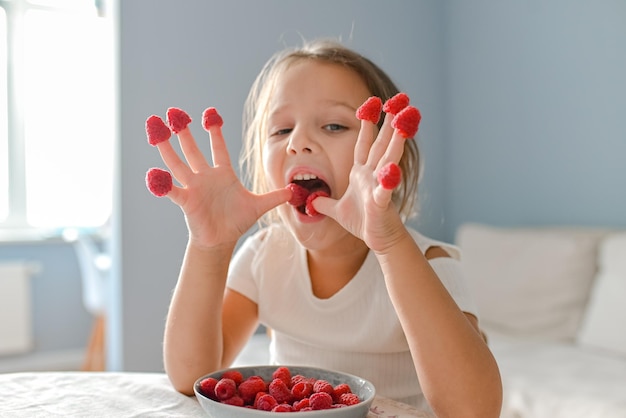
<point>218,208</point>
<point>366,210</point>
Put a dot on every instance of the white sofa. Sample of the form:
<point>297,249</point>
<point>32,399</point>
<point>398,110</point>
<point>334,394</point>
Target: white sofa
<point>552,301</point>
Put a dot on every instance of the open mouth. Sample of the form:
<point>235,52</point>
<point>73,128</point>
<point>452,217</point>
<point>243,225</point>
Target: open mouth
<point>302,186</point>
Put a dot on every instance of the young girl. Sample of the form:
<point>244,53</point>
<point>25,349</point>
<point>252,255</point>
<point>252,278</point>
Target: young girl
<point>350,288</point>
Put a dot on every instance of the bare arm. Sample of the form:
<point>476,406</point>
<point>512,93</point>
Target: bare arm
<point>456,369</point>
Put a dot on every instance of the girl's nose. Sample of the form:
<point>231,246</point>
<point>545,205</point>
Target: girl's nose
<point>299,142</point>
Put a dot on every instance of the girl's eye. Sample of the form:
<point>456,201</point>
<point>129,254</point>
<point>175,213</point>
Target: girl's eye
<point>281,132</point>
<point>334,127</point>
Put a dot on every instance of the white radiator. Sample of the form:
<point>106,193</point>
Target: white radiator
<point>16,333</point>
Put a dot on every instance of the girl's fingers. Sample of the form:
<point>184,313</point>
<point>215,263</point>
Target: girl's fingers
<point>382,196</point>
<point>218,146</point>
<point>364,142</point>
<point>394,150</point>
<point>172,160</point>
<point>190,149</point>
<point>326,206</point>
<point>272,199</point>
<point>382,141</point>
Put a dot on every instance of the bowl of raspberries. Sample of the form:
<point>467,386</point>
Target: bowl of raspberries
<point>255,391</point>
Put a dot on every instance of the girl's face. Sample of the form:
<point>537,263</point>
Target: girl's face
<point>312,131</point>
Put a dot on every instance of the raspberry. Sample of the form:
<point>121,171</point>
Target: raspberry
<point>298,194</point>
<point>339,390</point>
<point>395,104</point>
<point>321,400</point>
<point>234,400</point>
<point>283,407</point>
<point>225,388</point>
<point>349,399</point>
<point>210,117</point>
<point>257,397</point>
<point>390,176</point>
<point>322,386</point>
<point>370,110</point>
<point>407,121</point>
<point>301,404</point>
<point>159,182</point>
<point>301,390</point>
<point>279,390</point>
<point>177,119</point>
<point>297,379</point>
<point>249,388</point>
<point>266,402</point>
<point>235,375</point>
<point>156,130</point>
<point>310,210</point>
<point>283,374</point>
<point>207,387</point>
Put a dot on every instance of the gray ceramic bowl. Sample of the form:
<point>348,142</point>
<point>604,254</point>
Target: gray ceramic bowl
<point>363,388</point>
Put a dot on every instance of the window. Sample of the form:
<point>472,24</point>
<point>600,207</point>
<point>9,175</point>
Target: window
<point>56,148</point>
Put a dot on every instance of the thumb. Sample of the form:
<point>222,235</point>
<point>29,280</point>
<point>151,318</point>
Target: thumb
<point>325,206</point>
<point>270,200</point>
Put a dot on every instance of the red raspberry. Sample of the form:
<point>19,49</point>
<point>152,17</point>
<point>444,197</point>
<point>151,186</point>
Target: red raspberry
<point>370,110</point>
<point>310,210</point>
<point>322,386</point>
<point>302,390</point>
<point>225,388</point>
<point>210,117</point>
<point>257,397</point>
<point>177,119</point>
<point>339,390</point>
<point>321,400</point>
<point>207,387</point>
<point>349,399</point>
<point>395,104</point>
<point>283,373</point>
<point>390,176</point>
<point>249,388</point>
<point>159,182</point>
<point>156,130</point>
<point>283,407</point>
<point>266,403</point>
<point>407,121</point>
<point>297,379</point>
<point>234,400</point>
<point>279,390</point>
<point>298,194</point>
<point>235,375</point>
<point>301,404</point>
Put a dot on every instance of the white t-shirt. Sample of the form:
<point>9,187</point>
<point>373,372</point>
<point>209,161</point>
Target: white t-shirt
<point>355,331</point>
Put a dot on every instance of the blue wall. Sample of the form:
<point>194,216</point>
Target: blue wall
<point>536,98</point>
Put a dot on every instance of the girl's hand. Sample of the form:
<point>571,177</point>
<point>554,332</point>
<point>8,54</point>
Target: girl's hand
<point>366,209</point>
<point>218,208</point>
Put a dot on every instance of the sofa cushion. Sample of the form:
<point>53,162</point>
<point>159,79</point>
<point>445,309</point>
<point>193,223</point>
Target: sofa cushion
<point>605,320</point>
<point>559,380</point>
<point>530,282</point>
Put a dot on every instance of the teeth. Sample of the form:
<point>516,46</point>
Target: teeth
<point>305,176</point>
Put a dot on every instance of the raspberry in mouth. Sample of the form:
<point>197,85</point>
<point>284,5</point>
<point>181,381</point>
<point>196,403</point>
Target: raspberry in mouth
<point>302,188</point>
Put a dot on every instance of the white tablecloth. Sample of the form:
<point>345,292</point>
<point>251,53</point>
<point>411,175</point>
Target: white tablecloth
<point>113,394</point>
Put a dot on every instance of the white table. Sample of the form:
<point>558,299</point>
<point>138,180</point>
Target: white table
<point>119,394</point>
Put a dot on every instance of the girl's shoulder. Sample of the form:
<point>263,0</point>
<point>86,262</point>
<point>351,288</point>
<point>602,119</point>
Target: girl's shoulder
<point>425,243</point>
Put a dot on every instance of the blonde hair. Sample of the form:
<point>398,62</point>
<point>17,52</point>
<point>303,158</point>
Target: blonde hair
<point>257,107</point>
